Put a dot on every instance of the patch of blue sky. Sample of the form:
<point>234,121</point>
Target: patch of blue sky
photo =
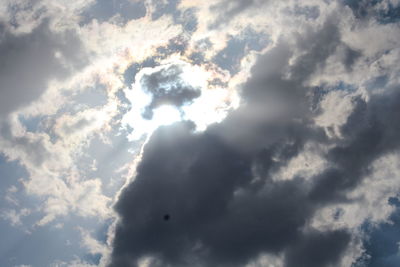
<point>11,240</point>
<point>341,86</point>
<point>59,241</point>
<point>391,15</point>
<point>365,8</point>
<point>345,86</point>
<point>102,160</point>
<point>188,20</point>
<point>176,45</point>
<point>132,70</point>
<point>10,173</point>
<point>202,45</point>
<point>318,93</point>
<point>125,103</point>
<point>99,233</point>
<point>40,247</point>
<point>92,258</point>
<point>104,10</point>
<point>92,96</point>
<point>307,11</point>
<point>97,229</point>
<point>169,7</point>
<point>13,197</point>
<point>360,8</point>
<point>32,124</point>
<point>377,82</point>
<point>382,244</point>
<point>237,47</point>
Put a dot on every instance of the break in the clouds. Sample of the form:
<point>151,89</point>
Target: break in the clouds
<point>191,133</point>
<point>166,87</point>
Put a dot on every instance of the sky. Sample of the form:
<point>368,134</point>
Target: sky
<point>220,133</point>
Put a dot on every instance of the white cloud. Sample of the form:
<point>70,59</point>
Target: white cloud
<point>336,107</point>
<point>14,216</point>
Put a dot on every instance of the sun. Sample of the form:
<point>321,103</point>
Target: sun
<point>172,92</point>
<point>165,115</point>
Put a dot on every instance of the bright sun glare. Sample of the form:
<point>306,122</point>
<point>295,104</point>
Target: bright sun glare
<point>208,108</point>
<point>165,115</point>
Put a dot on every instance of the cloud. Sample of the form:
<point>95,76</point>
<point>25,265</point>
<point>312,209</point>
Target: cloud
<point>31,60</point>
<point>224,207</point>
<point>14,216</point>
<point>318,249</point>
<point>233,193</point>
<point>369,135</point>
<point>304,158</point>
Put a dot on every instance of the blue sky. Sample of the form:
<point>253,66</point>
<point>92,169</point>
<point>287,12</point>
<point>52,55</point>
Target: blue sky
<point>199,133</point>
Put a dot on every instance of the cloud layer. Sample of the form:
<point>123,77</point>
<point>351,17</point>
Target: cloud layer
<point>192,133</point>
<point>226,207</point>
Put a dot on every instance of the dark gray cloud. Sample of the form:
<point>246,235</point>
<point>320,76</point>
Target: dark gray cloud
<point>349,57</point>
<point>167,88</point>
<point>324,44</point>
<point>29,61</point>
<point>370,133</point>
<point>317,249</point>
<point>224,207</point>
<point>220,215</point>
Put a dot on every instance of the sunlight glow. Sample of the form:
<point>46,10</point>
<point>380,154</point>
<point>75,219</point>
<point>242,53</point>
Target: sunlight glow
<point>165,115</point>
<point>210,107</point>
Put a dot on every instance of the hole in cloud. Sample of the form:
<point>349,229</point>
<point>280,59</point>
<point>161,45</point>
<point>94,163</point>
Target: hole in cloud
<point>166,115</point>
<point>167,86</point>
<point>173,92</point>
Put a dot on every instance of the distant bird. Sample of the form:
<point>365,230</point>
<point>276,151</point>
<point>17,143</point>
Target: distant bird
<point>166,217</point>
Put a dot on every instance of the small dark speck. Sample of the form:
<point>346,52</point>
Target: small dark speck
<point>166,217</point>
